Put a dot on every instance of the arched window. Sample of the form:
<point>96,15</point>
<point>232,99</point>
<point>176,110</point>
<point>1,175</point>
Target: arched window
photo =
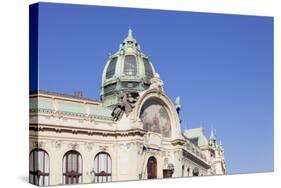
<point>39,167</point>
<point>182,170</point>
<point>151,168</point>
<point>195,171</point>
<point>72,168</point>
<point>102,167</point>
<point>130,65</point>
<point>111,68</point>
<point>147,68</point>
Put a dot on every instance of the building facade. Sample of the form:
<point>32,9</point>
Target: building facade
<point>133,133</point>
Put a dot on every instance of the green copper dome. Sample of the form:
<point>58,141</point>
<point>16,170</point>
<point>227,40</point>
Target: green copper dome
<point>127,70</point>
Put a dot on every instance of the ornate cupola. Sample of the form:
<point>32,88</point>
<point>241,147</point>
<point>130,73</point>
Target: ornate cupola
<point>128,70</point>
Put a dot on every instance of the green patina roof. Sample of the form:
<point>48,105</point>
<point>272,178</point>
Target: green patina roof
<point>197,133</point>
<point>70,107</point>
<point>100,111</point>
<point>41,103</point>
<point>126,70</point>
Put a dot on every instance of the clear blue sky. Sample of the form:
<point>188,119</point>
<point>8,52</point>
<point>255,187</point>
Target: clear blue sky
<point>220,65</point>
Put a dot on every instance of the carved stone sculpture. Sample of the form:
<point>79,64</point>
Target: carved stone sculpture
<point>126,104</point>
<point>117,112</point>
<point>156,83</point>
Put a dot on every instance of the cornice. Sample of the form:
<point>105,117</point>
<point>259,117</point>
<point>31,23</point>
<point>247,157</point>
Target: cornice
<point>85,131</point>
<point>195,159</point>
<point>71,114</point>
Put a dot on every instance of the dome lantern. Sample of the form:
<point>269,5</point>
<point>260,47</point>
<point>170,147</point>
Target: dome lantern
<point>128,70</point>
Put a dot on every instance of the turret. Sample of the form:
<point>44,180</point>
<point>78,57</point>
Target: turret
<point>212,139</point>
<point>216,152</point>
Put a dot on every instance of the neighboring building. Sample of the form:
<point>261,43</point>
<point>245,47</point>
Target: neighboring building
<point>132,134</point>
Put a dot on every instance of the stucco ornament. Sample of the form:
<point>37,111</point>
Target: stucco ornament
<point>156,83</point>
<point>125,105</point>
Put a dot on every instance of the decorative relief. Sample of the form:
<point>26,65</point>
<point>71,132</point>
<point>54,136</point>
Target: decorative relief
<point>89,145</point>
<point>140,148</point>
<point>56,144</point>
<point>153,152</point>
<point>168,154</point>
<point>128,145</point>
<point>103,148</point>
<point>73,146</point>
<point>39,144</point>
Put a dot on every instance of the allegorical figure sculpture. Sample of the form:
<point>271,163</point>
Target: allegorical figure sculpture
<point>126,104</point>
<point>156,83</point>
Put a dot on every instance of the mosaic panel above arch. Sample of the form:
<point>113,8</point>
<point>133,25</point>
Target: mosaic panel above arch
<point>155,118</point>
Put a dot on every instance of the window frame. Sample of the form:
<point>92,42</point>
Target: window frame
<point>70,176</point>
<point>147,67</point>
<point>101,173</point>
<point>111,68</point>
<point>35,172</point>
<point>130,67</point>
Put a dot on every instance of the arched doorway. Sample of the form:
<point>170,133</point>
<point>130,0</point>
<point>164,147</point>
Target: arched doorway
<point>151,168</point>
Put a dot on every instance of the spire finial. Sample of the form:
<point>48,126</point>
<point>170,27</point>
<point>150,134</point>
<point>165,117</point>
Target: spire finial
<point>215,131</point>
<point>212,136</point>
<point>177,102</point>
<point>221,146</point>
<point>130,33</point>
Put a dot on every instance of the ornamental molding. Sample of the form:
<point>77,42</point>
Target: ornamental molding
<point>86,131</point>
<point>63,114</point>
